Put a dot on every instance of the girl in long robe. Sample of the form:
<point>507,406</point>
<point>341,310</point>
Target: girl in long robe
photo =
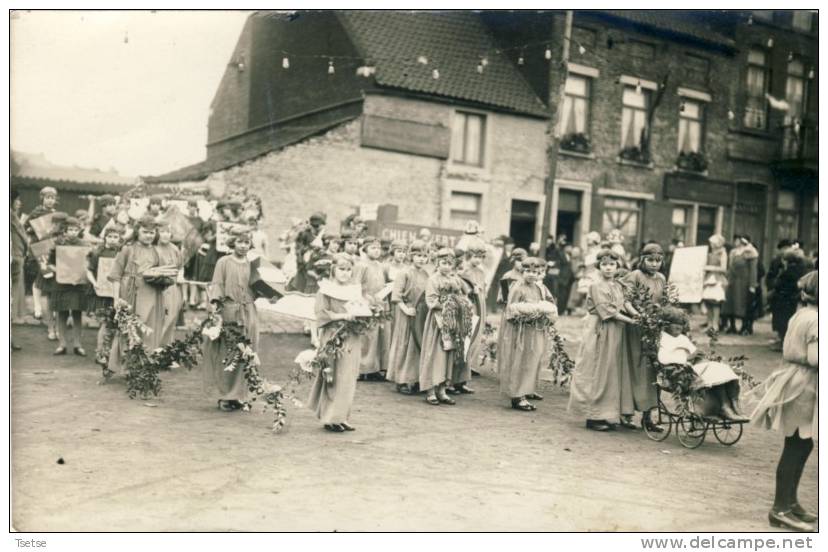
<point>372,277</point>
<point>791,405</point>
<point>642,372</point>
<point>404,352</point>
<point>169,255</point>
<point>395,265</point>
<point>130,288</point>
<point>512,276</point>
<point>598,388</point>
<point>332,395</point>
<point>475,277</point>
<point>231,282</point>
<point>68,300</point>
<point>437,363</point>
<point>522,347</point>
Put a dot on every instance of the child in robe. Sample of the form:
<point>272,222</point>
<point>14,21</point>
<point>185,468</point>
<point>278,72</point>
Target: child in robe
<point>522,341</point>
<point>134,263</point>
<point>475,277</point>
<point>439,352</point>
<point>332,391</point>
<point>169,255</point>
<point>231,283</point>
<point>512,276</point>
<point>642,372</point>
<point>404,352</point>
<point>599,388</point>
<point>371,275</point>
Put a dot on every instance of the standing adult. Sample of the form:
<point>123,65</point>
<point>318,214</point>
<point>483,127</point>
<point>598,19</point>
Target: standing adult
<point>784,295</point>
<point>790,405</point>
<point>742,277</point>
<point>19,248</point>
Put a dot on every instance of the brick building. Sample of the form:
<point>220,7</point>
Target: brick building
<point>449,122</point>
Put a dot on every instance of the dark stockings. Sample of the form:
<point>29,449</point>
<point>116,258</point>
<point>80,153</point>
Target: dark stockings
<point>789,471</point>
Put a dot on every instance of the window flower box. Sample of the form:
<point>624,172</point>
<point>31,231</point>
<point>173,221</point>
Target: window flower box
<point>577,142</point>
<point>692,161</point>
<point>635,154</point>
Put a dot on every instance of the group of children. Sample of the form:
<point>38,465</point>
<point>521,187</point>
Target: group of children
<point>416,347</point>
<point>615,375</point>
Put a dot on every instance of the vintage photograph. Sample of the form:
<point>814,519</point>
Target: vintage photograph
<point>414,271</point>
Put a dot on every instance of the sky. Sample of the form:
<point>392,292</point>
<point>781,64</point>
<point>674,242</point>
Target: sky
<point>123,90</point>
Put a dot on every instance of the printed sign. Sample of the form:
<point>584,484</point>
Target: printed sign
<point>446,237</point>
<point>42,226</point>
<point>223,232</point>
<point>104,287</point>
<point>71,264</point>
<point>687,273</point>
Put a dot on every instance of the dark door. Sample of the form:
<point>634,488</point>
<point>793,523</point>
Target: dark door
<point>750,212</point>
<point>523,221</point>
<point>569,215</point>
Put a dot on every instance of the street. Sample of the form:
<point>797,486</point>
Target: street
<point>177,463</point>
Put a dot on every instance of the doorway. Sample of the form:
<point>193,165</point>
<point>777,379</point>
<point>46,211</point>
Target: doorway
<point>523,222</point>
<point>568,222</point>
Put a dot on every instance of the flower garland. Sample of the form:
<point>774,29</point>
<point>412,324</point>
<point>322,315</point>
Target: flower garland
<point>327,353</point>
<point>456,313</point>
<point>141,372</point>
<point>241,356</point>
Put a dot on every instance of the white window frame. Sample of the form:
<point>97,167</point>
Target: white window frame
<point>485,138</point>
<point>693,223</point>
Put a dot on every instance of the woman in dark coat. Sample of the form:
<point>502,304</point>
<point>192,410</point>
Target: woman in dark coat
<point>784,295</point>
<point>742,277</point>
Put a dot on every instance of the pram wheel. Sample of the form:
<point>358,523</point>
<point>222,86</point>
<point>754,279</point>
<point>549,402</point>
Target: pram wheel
<point>691,431</point>
<point>727,432</point>
<point>659,420</point>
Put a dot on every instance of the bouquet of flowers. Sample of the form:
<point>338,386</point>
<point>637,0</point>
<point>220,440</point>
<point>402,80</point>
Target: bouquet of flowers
<point>456,316</point>
<point>489,342</point>
<point>540,315</point>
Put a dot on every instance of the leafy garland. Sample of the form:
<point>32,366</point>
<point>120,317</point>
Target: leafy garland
<point>141,371</point>
<point>327,353</point>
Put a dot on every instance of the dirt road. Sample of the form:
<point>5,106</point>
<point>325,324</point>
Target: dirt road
<point>178,463</point>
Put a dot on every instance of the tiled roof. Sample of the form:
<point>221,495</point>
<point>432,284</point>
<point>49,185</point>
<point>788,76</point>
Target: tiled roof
<point>453,43</point>
<point>37,167</point>
<point>675,21</point>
